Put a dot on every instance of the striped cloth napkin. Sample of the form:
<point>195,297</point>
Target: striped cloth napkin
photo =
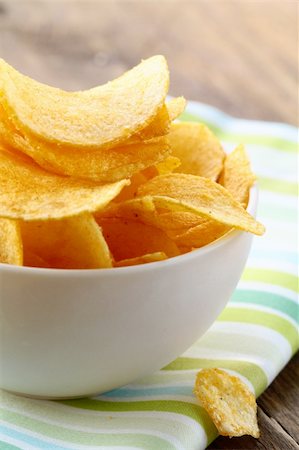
<point>254,337</point>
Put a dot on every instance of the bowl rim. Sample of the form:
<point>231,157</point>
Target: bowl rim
<point>136,269</point>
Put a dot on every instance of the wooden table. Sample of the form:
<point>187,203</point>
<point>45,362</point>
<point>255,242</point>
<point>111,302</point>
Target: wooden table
<point>240,56</point>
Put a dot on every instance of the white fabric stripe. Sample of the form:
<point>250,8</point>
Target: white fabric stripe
<point>272,200</point>
<point>256,307</point>
<point>21,403</point>
<point>268,367</point>
<point>16,442</point>
<point>280,169</point>
<point>170,439</point>
<point>72,412</point>
<point>235,125</point>
<point>272,264</point>
<point>270,288</point>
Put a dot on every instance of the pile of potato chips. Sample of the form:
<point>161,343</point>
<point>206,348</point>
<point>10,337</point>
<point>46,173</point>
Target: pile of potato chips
<point>105,178</point>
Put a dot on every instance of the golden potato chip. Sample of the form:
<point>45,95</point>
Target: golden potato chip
<point>161,123</point>
<point>137,209</point>
<point>100,117</point>
<point>202,196</point>
<point>71,243</point>
<point>11,248</point>
<point>144,259</point>
<point>198,149</point>
<point>237,176</point>
<point>30,193</point>
<point>97,165</point>
<point>228,401</point>
<point>175,107</point>
<point>33,260</point>
<point>185,228</point>
<point>168,165</point>
<point>129,192</point>
<point>203,233</point>
<point>130,239</point>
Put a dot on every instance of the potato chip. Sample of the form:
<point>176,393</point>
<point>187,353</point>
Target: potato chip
<point>138,209</point>
<point>11,248</point>
<point>168,165</point>
<point>198,149</point>
<point>237,176</point>
<point>175,107</point>
<point>100,117</point>
<point>130,239</point>
<point>185,228</point>
<point>144,259</point>
<point>71,243</point>
<point>33,260</point>
<point>204,233</point>
<point>228,401</point>
<point>30,193</point>
<point>101,165</point>
<point>129,192</point>
<point>161,123</point>
<point>202,196</point>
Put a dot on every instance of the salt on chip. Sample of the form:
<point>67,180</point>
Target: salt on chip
<point>130,239</point>
<point>70,243</point>
<point>198,149</point>
<point>144,259</point>
<point>103,166</point>
<point>11,248</point>
<point>228,401</point>
<point>237,176</point>
<point>30,193</point>
<point>202,196</point>
<point>100,117</point>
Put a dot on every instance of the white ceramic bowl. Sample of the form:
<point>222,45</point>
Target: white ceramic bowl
<point>73,333</point>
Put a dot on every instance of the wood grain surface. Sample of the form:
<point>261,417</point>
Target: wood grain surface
<point>240,56</point>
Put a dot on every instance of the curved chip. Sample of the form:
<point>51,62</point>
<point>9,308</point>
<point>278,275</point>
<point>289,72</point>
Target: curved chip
<point>11,248</point>
<point>30,193</point>
<point>103,166</point>
<point>100,117</point>
<point>228,401</point>
<point>203,233</point>
<point>198,149</point>
<point>202,196</point>
<point>185,228</point>
<point>144,259</point>
<point>71,243</point>
<point>130,239</point>
<point>237,176</point>
<point>176,107</point>
<point>161,123</point>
